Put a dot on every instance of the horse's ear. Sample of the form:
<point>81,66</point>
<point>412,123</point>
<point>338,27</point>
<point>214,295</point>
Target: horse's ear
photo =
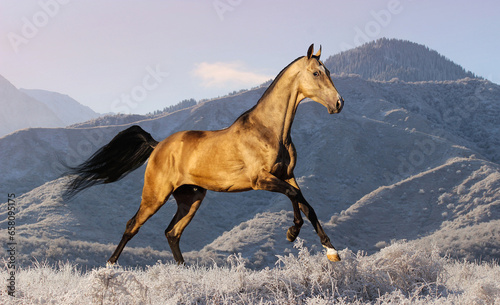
<point>319,52</point>
<point>310,51</point>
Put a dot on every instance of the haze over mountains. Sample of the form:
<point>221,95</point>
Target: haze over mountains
<point>23,108</point>
<point>65,107</point>
<point>415,158</point>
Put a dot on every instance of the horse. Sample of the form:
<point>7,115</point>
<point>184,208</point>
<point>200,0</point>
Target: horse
<point>254,153</point>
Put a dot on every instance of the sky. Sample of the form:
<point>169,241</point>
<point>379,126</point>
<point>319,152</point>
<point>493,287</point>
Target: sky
<point>132,56</point>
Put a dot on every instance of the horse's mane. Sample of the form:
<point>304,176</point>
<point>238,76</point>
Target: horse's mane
<point>271,86</point>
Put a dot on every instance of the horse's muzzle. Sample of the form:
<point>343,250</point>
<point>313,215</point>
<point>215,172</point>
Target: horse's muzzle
<point>337,107</point>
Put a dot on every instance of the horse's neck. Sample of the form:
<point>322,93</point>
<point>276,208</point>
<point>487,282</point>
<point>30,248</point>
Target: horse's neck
<point>276,109</point>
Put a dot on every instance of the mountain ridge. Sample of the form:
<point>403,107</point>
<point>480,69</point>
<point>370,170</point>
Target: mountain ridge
<point>14,115</point>
<point>385,59</point>
<point>360,61</point>
<point>67,109</point>
<point>23,108</point>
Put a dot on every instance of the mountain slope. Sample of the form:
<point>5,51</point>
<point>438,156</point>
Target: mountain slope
<point>385,59</point>
<point>68,110</point>
<point>23,108</point>
<point>454,207</point>
<point>21,111</point>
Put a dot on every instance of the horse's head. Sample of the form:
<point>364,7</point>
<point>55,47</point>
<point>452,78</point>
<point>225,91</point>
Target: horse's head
<point>315,83</point>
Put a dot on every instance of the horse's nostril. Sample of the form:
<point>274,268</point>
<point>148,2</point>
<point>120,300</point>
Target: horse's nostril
<point>340,103</point>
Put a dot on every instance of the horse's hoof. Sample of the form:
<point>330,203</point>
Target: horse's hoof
<point>332,255</point>
<point>291,236</point>
<point>110,265</point>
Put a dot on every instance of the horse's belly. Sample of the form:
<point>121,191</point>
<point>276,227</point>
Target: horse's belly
<point>221,176</point>
<point>226,183</point>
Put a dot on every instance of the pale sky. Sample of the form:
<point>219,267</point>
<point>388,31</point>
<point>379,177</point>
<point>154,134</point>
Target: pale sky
<point>137,56</point>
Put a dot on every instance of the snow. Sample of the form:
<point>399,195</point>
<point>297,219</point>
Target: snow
<point>399,274</point>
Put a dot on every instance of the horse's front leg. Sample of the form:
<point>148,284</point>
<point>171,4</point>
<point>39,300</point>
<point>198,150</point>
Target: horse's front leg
<point>290,188</point>
<point>307,209</point>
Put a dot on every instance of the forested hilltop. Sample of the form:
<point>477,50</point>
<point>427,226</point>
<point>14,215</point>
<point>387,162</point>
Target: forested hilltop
<point>385,59</point>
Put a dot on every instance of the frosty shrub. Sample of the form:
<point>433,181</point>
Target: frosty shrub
<point>399,267</point>
<point>398,274</point>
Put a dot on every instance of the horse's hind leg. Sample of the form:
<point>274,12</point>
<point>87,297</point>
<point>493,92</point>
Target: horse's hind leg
<point>152,201</point>
<point>189,198</point>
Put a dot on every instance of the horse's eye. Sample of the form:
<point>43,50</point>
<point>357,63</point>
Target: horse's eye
<point>316,73</point>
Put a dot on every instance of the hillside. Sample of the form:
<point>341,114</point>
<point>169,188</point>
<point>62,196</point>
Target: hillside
<point>121,119</point>
<point>385,59</point>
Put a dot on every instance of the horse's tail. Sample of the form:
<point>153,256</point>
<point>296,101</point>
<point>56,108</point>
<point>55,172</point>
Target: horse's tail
<point>128,150</point>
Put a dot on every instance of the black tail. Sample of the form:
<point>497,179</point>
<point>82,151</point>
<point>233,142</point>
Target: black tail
<point>126,152</point>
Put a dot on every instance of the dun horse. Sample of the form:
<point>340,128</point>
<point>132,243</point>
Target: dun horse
<point>254,153</point>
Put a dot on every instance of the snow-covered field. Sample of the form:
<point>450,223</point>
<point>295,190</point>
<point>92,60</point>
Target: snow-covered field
<point>399,274</point>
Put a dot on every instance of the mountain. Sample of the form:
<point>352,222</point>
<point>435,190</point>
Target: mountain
<point>68,110</point>
<point>23,108</point>
<point>385,59</point>
<point>22,111</point>
<point>121,119</point>
<point>415,161</point>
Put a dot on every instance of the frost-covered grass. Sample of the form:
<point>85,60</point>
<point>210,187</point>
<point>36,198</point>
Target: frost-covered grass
<point>398,274</point>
